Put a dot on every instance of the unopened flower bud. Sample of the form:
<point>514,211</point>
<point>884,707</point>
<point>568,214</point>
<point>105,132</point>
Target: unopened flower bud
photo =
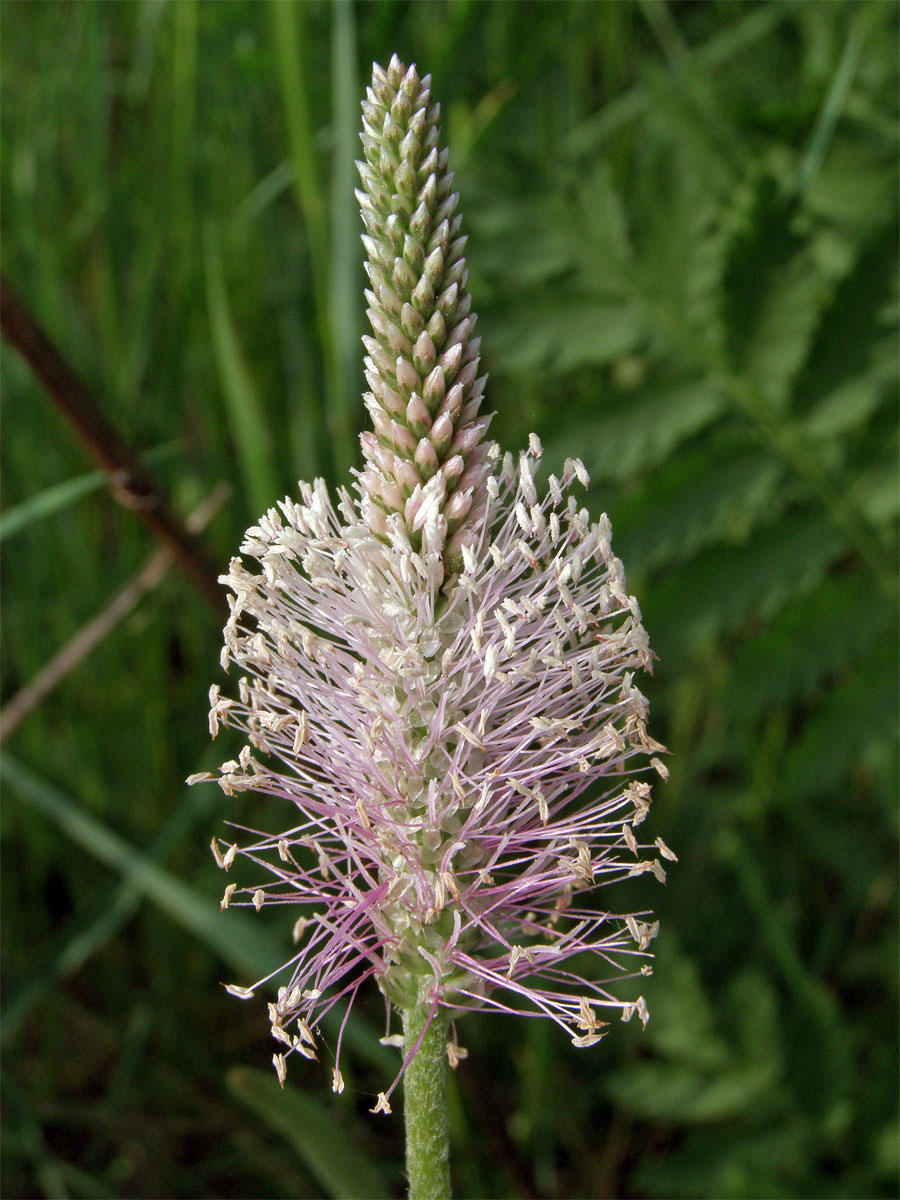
<point>457,507</point>
<point>442,433</point>
<point>433,266</point>
<point>437,329</point>
<point>453,401</point>
<point>433,389</point>
<point>411,320</point>
<point>406,475</point>
<point>447,300</point>
<point>418,417</point>
<point>407,376</point>
<point>426,458</point>
<point>452,470</point>
<point>451,358</point>
<point>423,294</point>
<point>423,353</point>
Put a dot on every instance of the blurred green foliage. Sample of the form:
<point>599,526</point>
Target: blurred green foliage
<point>683,225</point>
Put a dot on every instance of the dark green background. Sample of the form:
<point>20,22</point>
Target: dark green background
<point>683,251</point>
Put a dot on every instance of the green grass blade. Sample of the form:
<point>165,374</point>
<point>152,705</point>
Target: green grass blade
<point>290,37</point>
<point>61,495</point>
<point>47,1167</point>
<point>243,410</point>
<point>241,942</point>
<point>237,939</point>
<point>325,1147</point>
<point>346,256</point>
<point>81,938</point>
<point>835,101</point>
<point>720,48</point>
<point>184,108</point>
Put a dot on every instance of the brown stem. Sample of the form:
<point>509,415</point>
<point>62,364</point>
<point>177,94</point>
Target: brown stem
<point>130,482</point>
<point>91,634</point>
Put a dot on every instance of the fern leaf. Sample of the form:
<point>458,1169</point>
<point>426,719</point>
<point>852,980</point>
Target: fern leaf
<point>853,717</point>
<point>819,635</point>
<point>695,500</point>
<point>642,433</point>
<point>723,587</point>
<point>569,332</point>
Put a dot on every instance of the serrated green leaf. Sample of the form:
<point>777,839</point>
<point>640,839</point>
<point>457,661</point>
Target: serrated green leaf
<point>753,1002</point>
<point>725,586</point>
<point>574,331</point>
<point>682,1028</point>
<point>730,1161</point>
<point>660,1091</point>
<point>504,227</point>
<point>601,220</point>
<point>852,403</point>
<point>876,492</point>
<point>818,635</point>
<point>642,432</point>
<point>774,289</point>
<point>852,717</point>
<point>856,187</point>
<point>694,500</point>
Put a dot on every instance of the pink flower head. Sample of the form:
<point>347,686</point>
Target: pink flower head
<point>460,738</point>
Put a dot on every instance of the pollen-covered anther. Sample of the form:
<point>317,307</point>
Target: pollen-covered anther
<point>456,1054</point>
<point>516,953</point>
<point>660,768</point>
<point>242,993</point>
<point>303,1049</point>
<point>305,1033</point>
<point>582,865</point>
<point>630,839</point>
<point>587,1039</point>
<point>363,814</point>
<point>640,1007</point>
<point>586,1018</point>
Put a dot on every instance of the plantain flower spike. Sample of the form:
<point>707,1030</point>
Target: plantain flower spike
<point>437,679</point>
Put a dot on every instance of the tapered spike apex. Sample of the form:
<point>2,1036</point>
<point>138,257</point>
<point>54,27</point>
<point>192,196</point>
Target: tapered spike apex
<point>418,310</point>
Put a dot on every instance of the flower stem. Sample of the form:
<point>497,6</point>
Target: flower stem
<point>425,1089</point>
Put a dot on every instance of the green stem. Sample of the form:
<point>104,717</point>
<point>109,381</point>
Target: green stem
<point>425,1089</point>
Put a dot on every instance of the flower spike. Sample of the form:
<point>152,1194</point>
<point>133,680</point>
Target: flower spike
<point>438,677</point>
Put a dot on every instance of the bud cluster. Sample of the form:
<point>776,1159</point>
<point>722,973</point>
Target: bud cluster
<point>426,458</point>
